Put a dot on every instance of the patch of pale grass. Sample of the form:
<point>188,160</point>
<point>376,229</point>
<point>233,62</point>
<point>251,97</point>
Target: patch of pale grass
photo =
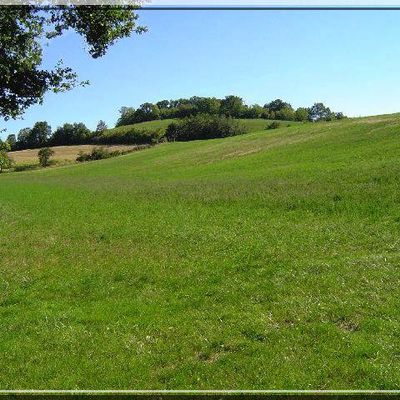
<point>62,153</point>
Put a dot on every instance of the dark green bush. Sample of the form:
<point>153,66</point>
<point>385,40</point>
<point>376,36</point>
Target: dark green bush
<point>274,125</point>
<point>82,157</point>
<point>204,126</point>
<point>25,167</point>
<point>98,153</point>
<point>101,153</point>
<point>44,155</point>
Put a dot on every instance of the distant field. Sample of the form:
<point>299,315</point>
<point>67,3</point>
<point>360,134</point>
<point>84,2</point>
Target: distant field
<point>264,261</point>
<point>61,153</point>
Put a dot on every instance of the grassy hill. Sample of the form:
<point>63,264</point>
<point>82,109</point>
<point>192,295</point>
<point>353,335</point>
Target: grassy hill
<point>150,125</point>
<point>67,154</point>
<point>251,124</point>
<point>263,261</point>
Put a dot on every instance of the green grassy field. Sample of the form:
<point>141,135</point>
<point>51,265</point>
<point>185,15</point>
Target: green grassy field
<point>263,261</point>
<point>150,125</point>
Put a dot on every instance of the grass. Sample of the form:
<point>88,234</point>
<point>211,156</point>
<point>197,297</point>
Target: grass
<point>260,124</point>
<point>263,261</point>
<point>161,125</point>
<point>28,159</point>
<point>251,124</point>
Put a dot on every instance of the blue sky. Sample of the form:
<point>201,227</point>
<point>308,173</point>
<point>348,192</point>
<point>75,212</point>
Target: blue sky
<point>349,60</point>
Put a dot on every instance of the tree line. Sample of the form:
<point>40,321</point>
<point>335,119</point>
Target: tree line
<point>41,135</point>
<point>230,106</point>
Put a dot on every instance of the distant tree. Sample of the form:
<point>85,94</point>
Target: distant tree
<point>195,100</point>
<point>185,110</point>
<point>25,29</point>
<point>208,105</point>
<point>276,106</point>
<point>265,114</point>
<point>340,115</point>
<point>147,112</point>
<point>179,108</point>
<point>127,116</point>
<point>68,134</point>
<point>318,112</point>
<point>30,138</point>
<point>23,138</point>
<point>12,141</point>
<point>255,111</point>
<point>286,114</point>
<point>176,103</point>
<point>5,160</point>
<point>101,126</point>
<point>232,106</point>
<point>180,102</point>
<point>166,113</point>
<point>163,104</point>
<point>302,114</point>
<point>173,103</point>
<point>39,134</point>
<point>44,155</point>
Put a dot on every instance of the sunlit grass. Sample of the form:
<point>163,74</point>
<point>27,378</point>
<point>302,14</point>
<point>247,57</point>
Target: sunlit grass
<point>263,261</point>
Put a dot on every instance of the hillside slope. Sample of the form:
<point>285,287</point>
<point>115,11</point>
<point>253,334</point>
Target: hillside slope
<point>251,125</point>
<point>263,261</point>
<point>70,153</point>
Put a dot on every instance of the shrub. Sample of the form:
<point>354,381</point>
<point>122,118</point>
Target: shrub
<point>25,167</point>
<point>82,157</point>
<point>100,153</point>
<point>340,115</point>
<point>204,126</point>
<point>274,125</point>
<point>97,153</point>
<point>44,155</point>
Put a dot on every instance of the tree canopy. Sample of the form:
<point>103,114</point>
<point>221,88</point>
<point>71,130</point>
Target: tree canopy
<point>67,134</point>
<point>319,112</point>
<point>23,30</point>
<point>44,155</point>
<point>230,106</point>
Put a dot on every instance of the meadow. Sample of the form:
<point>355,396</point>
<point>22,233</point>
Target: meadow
<point>263,261</point>
<point>66,154</point>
